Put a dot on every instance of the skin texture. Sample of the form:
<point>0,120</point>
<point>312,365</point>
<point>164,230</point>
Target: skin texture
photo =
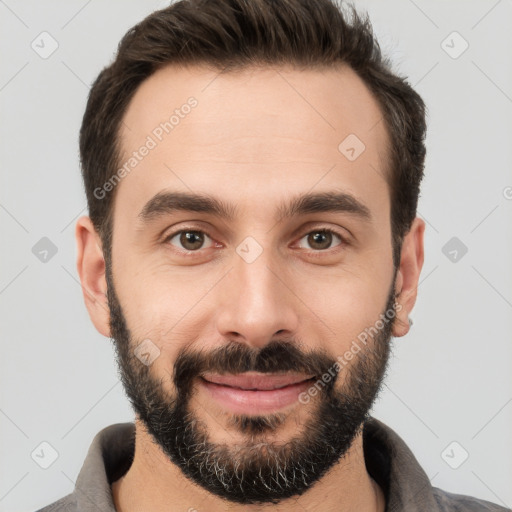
<point>256,139</point>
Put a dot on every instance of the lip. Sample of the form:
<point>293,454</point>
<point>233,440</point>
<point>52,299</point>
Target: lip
<point>256,381</point>
<point>253,393</point>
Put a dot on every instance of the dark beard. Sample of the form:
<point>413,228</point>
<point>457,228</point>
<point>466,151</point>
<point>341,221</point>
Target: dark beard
<point>259,472</point>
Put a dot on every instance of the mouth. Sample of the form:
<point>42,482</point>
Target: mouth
<point>251,381</point>
<point>253,393</point>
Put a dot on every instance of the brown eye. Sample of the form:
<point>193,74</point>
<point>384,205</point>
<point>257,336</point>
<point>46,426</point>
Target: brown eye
<point>321,239</point>
<point>189,240</point>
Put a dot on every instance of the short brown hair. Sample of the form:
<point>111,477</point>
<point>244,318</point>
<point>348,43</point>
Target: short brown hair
<point>234,34</point>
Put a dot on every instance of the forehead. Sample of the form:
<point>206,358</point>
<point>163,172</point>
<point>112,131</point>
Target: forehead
<point>253,133</point>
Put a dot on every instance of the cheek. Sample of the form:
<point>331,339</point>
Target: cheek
<point>341,305</point>
<point>167,305</point>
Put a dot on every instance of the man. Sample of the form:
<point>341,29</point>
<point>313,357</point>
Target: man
<point>252,169</point>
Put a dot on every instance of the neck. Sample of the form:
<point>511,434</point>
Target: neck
<point>153,482</point>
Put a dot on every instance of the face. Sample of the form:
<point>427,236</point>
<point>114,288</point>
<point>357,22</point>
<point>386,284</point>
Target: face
<point>247,243</point>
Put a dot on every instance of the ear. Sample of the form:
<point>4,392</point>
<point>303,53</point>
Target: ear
<point>91,269</point>
<point>406,284</point>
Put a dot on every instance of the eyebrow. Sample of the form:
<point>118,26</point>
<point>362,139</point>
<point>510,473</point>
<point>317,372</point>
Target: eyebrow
<point>166,202</point>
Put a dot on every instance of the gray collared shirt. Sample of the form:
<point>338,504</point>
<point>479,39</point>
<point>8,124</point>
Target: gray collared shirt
<point>388,460</point>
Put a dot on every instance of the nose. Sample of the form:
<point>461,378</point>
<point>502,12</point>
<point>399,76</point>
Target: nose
<point>255,303</point>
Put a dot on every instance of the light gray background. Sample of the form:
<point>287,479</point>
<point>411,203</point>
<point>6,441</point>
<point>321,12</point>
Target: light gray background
<point>450,377</point>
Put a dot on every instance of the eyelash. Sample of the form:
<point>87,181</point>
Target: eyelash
<point>314,253</point>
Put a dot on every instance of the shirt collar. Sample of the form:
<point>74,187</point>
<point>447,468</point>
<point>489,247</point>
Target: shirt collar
<point>388,459</point>
<point>393,466</point>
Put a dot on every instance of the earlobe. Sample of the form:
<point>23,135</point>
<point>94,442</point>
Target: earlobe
<point>406,285</point>
<point>91,269</point>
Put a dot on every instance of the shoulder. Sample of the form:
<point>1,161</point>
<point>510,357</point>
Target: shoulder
<point>65,504</point>
<point>449,502</point>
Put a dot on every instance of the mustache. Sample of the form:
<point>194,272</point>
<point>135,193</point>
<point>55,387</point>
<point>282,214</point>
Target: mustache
<point>235,358</point>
